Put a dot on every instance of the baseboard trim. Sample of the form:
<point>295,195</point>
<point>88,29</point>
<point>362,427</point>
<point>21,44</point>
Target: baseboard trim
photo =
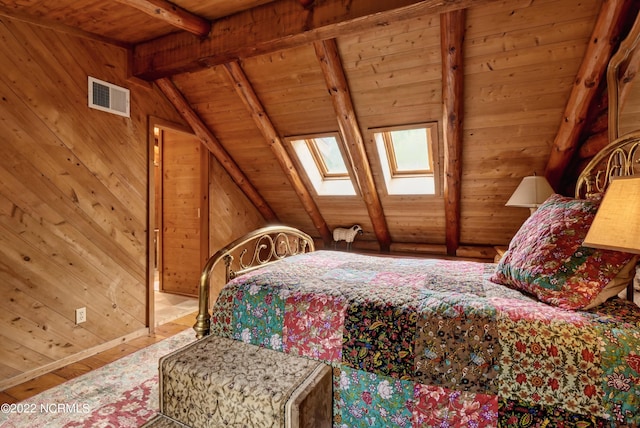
<point>32,374</point>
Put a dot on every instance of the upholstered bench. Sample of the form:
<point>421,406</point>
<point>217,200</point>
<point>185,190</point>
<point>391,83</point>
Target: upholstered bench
<point>222,382</point>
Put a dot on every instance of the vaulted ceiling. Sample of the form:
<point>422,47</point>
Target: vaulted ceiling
<point>515,86</point>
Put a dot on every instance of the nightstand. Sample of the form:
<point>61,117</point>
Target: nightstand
<point>500,250</point>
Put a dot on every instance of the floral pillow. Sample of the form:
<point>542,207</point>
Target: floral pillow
<point>546,257</point>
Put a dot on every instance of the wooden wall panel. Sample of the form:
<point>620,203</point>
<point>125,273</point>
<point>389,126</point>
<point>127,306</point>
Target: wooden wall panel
<point>292,88</point>
<point>423,222</point>
<point>227,117</point>
<point>73,201</point>
<point>520,62</point>
<point>394,75</point>
<point>231,216</point>
<point>294,92</point>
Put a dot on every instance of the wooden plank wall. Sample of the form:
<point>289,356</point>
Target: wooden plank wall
<point>521,59</point>
<point>231,215</point>
<point>292,87</point>
<point>227,117</point>
<point>73,200</point>
<point>395,78</point>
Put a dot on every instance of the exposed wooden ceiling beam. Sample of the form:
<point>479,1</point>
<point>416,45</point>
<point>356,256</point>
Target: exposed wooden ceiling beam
<point>452,29</point>
<point>172,14</point>
<point>250,99</point>
<point>585,88</point>
<point>274,26</point>
<point>626,71</point>
<point>327,53</point>
<point>211,142</point>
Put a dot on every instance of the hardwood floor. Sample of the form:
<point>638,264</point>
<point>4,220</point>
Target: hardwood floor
<point>168,307</point>
<point>171,306</point>
<point>30,388</point>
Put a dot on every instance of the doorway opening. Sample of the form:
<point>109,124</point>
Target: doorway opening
<point>176,213</point>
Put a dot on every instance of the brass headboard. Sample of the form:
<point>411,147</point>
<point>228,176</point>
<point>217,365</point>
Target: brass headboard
<point>618,159</point>
<point>263,246</point>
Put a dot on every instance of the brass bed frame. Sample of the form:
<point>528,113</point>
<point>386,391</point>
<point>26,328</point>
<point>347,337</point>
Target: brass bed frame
<point>621,158</point>
<point>264,246</point>
<point>273,243</point>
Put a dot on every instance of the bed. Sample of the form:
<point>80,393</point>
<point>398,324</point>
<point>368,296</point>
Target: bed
<point>538,339</point>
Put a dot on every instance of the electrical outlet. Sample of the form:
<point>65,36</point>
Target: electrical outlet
<point>81,315</point>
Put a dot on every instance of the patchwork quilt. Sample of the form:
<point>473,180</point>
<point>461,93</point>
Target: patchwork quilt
<point>435,343</point>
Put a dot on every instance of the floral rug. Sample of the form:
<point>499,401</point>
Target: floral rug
<point>121,394</point>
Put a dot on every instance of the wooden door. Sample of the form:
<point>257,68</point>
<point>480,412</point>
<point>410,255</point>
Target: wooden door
<point>184,212</point>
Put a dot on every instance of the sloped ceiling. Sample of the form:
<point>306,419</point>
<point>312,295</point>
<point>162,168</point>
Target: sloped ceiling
<point>509,82</point>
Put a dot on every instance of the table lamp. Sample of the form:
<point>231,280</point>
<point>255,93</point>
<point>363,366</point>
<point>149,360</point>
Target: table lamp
<point>530,193</point>
<point>616,225</point>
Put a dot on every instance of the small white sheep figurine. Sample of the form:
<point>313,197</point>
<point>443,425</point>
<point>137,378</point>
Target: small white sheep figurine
<point>346,234</point>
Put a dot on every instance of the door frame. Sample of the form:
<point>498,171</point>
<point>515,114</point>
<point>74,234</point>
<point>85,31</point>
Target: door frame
<point>162,124</point>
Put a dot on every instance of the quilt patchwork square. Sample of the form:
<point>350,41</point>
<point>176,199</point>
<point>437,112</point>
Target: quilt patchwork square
<point>313,326</point>
<point>379,338</point>
<point>457,349</point>
<point>621,371</point>
<point>222,317</point>
<point>364,399</point>
<point>441,407</point>
<point>258,316</point>
<point>568,365</point>
<point>512,414</point>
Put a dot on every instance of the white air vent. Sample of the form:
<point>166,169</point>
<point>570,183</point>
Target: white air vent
<point>108,97</point>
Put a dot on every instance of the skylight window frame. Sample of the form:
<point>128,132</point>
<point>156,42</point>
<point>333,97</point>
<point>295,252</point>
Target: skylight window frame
<point>405,183</point>
<point>391,152</point>
<point>320,161</point>
<point>320,181</point>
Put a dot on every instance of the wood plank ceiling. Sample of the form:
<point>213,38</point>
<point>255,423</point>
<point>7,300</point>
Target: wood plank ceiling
<point>226,64</point>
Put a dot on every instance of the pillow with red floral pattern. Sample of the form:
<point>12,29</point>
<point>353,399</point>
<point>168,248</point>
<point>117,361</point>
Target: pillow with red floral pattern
<point>546,257</point>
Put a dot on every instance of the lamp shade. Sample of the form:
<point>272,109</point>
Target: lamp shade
<point>531,192</point>
<point>616,225</point>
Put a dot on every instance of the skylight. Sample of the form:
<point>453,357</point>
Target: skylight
<point>327,156</point>
<point>408,152</point>
<point>323,162</point>
<point>406,157</point>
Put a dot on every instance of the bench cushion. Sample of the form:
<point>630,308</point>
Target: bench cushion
<point>230,383</point>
